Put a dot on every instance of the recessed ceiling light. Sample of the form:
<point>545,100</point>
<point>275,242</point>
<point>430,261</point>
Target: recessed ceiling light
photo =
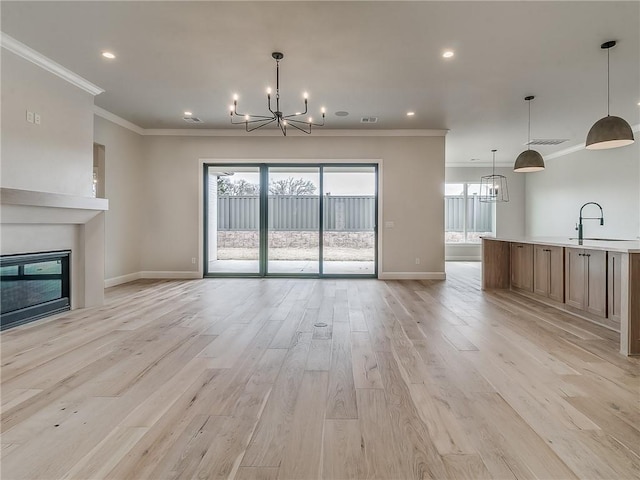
<point>341,113</point>
<point>410,114</point>
<point>108,55</point>
<point>639,104</point>
<point>448,54</point>
<point>188,114</point>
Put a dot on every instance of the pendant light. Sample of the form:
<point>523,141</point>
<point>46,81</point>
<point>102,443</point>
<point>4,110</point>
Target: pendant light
<point>493,188</point>
<point>529,160</point>
<point>610,131</point>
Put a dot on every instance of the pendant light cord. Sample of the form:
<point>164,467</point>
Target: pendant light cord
<point>608,94</point>
<point>493,168</point>
<point>529,130</point>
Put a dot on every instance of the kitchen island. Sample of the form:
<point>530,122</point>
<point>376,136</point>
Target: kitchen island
<point>598,280</point>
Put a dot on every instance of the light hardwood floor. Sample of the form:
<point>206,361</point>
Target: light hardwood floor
<point>238,378</point>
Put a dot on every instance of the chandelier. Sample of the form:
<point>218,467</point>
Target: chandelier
<point>253,122</point>
<point>493,188</point>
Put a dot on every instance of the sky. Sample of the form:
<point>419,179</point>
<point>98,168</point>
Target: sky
<point>335,183</point>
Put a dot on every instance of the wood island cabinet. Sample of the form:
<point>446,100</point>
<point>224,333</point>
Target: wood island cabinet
<point>548,272</point>
<point>522,266</point>
<point>598,281</point>
<point>586,280</point>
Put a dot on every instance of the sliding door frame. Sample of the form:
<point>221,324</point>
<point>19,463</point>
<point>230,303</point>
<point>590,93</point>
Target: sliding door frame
<point>264,218</point>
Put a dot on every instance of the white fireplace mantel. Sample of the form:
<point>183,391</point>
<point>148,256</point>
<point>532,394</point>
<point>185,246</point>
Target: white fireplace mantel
<point>27,206</point>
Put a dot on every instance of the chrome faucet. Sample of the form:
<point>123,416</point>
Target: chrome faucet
<point>579,225</point>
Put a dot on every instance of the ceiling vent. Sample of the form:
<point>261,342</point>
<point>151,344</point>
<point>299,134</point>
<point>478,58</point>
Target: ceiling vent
<point>369,120</point>
<point>192,120</point>
<point>547,141</point>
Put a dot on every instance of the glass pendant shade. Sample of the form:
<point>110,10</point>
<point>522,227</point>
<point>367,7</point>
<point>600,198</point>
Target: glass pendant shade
<point>493,188</point>
<point>529,161</point>
<point>609,132</point>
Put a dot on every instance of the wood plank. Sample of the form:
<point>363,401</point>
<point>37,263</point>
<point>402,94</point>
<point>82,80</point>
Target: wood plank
<point>257,473</point>
<point>444,428</point>
<point>267,443</point>
<point>304,445</point>
<point>364,363</point>
<point>341,402</point>
<point>469,467</point>
<point>343,450</point>
<point>420,458</point>
<point>319,355</point>
<point>381,458</point>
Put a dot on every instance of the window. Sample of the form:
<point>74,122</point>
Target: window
<point>466,218</point>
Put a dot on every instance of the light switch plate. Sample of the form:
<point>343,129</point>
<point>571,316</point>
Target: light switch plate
<point>389,224</point>
<point>29,117</point>
<point>36,118</point>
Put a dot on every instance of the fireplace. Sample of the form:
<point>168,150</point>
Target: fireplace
<point>32,221</point>
<point>34,285</point>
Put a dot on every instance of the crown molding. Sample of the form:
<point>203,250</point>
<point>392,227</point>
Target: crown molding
<point>47,64</point>
<point>194,132</point>
<point>201,132</point>
<point>101,112</point>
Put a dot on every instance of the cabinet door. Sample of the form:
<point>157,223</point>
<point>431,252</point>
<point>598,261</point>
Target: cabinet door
<point>614,290</point>
<point>556,273</point>
<point>522,266</point>
<point>527,267</point>
<point>541,270</point>
<point>597,282</point>
<point>574,277</point>
<point>516,269</point>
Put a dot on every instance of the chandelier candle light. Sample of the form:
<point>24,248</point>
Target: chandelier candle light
<point>493,188</point>
<point>254,122</point>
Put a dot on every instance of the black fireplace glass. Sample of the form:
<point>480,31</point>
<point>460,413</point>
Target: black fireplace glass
<point>33,286</point>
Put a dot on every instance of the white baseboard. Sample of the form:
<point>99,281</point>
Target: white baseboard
<point>463,258</point>
<point>177,275</point>
<point>112,282</point>
<point>412,276</point>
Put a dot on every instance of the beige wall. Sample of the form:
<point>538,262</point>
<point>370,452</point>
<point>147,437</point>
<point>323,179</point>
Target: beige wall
<point>124,187</point>
<point>55,156</point>
<point>609,177</point>
<point>510,221</point>
<point>411,193</point>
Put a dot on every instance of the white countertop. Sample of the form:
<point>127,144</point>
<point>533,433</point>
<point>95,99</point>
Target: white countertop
<point>624,246</point>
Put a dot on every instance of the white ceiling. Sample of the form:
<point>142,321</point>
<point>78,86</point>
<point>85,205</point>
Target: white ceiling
<point>368,58</point>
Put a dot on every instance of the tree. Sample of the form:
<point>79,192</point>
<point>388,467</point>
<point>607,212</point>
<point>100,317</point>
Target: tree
<point>292,186</point>
<point>238,188</point>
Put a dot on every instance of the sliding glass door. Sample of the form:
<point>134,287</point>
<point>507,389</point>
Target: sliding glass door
<point>291,220</point>
<point>232,207</point>
<point>349,238</point>
<point>293,212</point>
